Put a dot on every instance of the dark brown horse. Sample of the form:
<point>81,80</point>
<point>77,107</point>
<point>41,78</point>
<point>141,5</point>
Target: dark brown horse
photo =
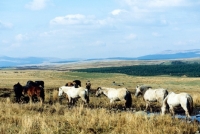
<point>32,91</point>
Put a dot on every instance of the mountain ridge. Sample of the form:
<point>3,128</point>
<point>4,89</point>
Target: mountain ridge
<point>6,61</point>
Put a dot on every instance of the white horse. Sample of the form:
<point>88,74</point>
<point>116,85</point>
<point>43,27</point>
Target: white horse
<point>120,94</point>
<point>74,93</point>
<point>151,95</point>
<point>174,100</point>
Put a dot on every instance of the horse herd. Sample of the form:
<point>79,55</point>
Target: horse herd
<point>74,90</point>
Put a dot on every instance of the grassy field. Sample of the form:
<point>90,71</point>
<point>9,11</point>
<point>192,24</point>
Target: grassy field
<point>55,116</point>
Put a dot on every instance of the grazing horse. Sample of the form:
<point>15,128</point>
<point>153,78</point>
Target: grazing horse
<point>120,94</point>
<point>174,100</point>
<point>151,95</point>
<point>74,93</point>
<point>18,91</point>
<point>32,91</point>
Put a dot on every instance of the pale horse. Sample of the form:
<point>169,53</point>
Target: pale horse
<point>74,93</point>
<point>174,100</point>
<point>119,94</point>
<point>151,95</point>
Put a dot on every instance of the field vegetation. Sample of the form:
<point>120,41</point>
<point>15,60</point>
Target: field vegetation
<point>56,116</point>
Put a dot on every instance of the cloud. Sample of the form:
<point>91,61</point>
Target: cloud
<point>155,34</point>
<point>69,19</point>
<point>156,3</point>
<point>21,37</point>
<point>117,11</point>
<point>78,19</point>
<point>132,36</point>
<point>5,25</point>
<point>36,4</point>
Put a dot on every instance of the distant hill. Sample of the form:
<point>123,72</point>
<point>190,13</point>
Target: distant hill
<point>167,55</point>
<point>172,55</point>
<point>11,62</point>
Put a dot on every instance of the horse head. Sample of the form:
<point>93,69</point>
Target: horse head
<point>60,91</point>
<point>88,85</point>
<point>98,91</point>
<point>140,90</point>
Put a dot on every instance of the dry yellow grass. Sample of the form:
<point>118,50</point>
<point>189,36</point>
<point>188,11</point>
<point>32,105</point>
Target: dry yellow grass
<point>56,117</point>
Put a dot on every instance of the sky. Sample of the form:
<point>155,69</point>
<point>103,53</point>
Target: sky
<point>87,29</point>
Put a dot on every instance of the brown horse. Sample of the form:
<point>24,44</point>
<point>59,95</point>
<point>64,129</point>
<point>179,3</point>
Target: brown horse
<point>69,84</point>
<point>32,91</point>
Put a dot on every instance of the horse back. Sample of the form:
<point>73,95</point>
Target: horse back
<point>117,93</point>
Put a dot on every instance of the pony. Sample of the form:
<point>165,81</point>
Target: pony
<point>151,95</point>
<point>174,100</point>
<point>120,94</point>
<point>32,91</point>
<point>74,93</point>
<point>18,88</point>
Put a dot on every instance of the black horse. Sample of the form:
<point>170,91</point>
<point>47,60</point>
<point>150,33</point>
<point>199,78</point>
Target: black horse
<point>18,88</point>
<point>77,82</point>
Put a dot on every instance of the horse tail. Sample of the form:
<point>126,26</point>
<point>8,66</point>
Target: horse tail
<point>87,96</point>
<point>165,101</point>
<point>128,99</point>
<point>165,94</point>
<point>189,104</point>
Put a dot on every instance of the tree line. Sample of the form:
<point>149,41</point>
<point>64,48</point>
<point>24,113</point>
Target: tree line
<point>189,70</point>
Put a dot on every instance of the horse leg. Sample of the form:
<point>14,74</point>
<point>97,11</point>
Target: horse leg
<point>187,115</point>
<point>30,99</point>
<point>41,100</point>
<point>111,104</point>
<point>70,100</point>
<point>172,111</point>
<point>147,105</point>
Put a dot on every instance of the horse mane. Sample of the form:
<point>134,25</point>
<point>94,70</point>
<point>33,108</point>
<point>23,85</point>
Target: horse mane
<point>144,88</point>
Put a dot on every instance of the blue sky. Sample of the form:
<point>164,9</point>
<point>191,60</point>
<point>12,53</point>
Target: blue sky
<point>97,28</point>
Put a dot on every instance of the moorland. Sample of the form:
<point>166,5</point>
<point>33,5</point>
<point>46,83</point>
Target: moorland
<point>56,116</point>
